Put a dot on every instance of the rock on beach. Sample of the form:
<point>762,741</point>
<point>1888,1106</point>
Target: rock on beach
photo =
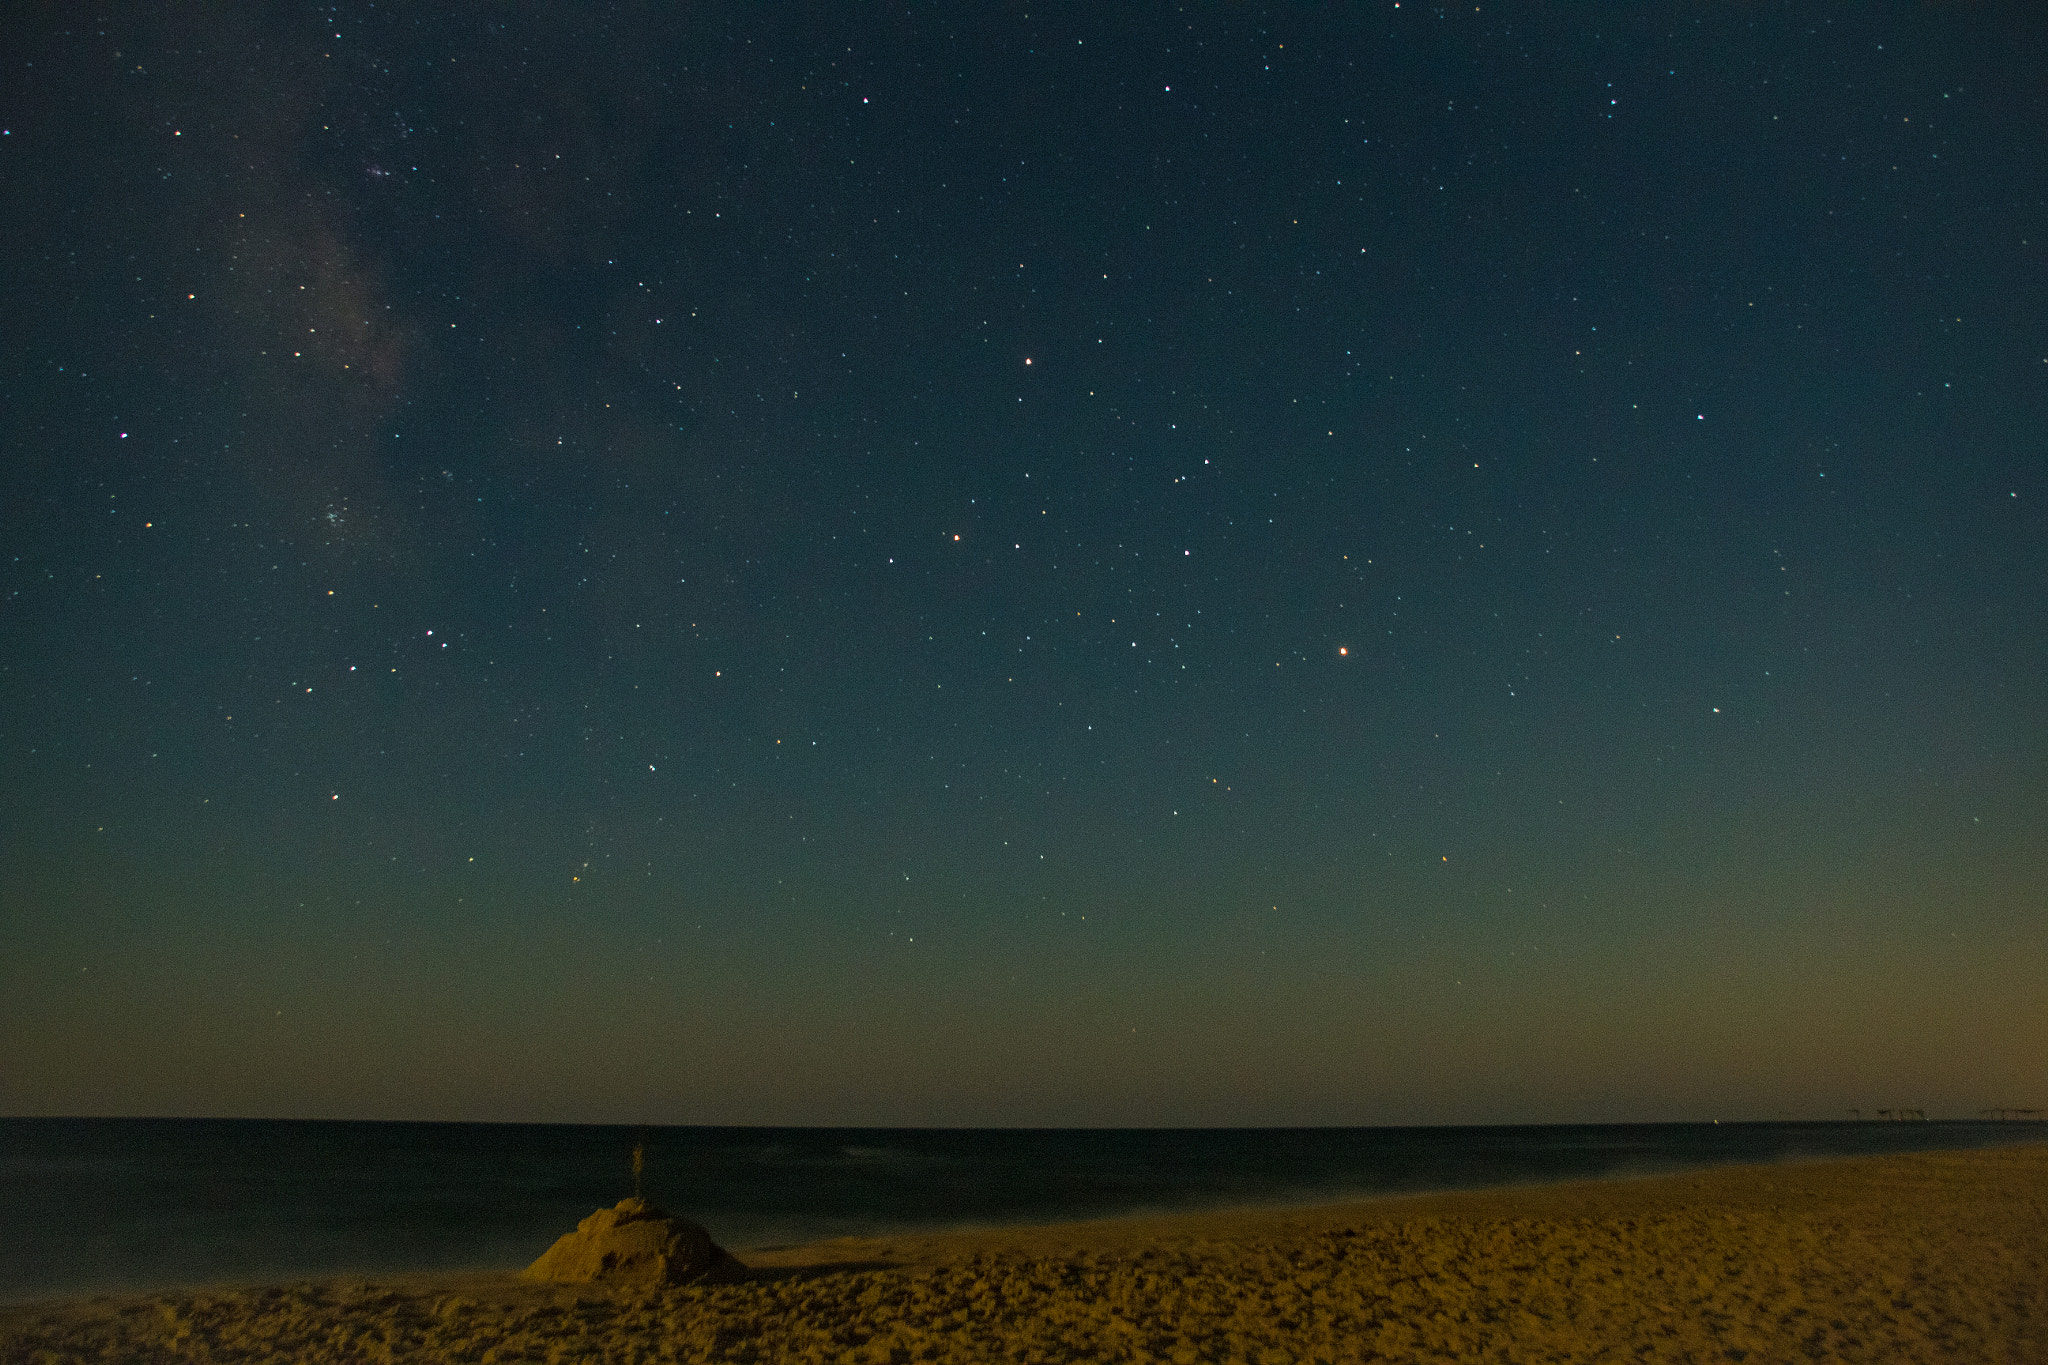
<point>635,1243</point>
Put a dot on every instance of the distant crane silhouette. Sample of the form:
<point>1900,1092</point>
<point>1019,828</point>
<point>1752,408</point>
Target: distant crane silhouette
<point>2007,1112</point>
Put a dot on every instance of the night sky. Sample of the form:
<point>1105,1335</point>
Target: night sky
<point>1002,564</point>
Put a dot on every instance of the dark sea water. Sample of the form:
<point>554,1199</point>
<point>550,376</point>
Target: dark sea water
<point>103,1205</point>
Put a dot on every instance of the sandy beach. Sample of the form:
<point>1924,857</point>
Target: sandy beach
<point>1932,1257</point>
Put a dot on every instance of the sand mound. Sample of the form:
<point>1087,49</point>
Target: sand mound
<point>635,1244</point>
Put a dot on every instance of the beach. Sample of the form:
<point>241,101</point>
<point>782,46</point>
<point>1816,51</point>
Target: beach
<point>1939,1256</point>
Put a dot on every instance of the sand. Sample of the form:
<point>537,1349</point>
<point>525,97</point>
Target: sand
<point>1932,1257</point>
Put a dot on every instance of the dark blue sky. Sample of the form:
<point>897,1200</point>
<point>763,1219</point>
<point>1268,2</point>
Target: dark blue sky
<point>1024,564</point>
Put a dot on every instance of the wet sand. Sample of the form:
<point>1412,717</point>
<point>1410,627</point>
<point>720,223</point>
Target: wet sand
<point>1931,1257</point>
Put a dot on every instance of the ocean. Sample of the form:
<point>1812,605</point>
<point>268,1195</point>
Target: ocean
<point>93,1206</point>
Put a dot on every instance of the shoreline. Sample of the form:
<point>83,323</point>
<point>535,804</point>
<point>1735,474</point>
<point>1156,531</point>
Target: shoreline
<point>1928,1256</point>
